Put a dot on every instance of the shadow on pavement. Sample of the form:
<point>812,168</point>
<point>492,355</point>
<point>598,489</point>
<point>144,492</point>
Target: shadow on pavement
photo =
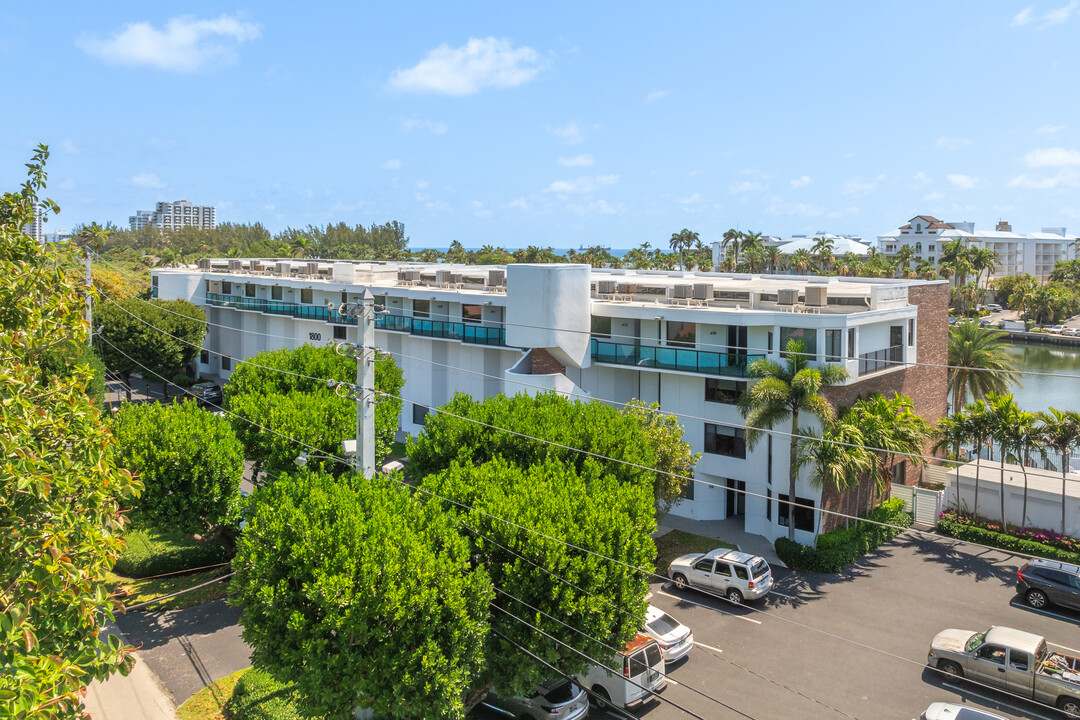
<point>150,630</point>
<point>978,563</point>
<point>980,696</point>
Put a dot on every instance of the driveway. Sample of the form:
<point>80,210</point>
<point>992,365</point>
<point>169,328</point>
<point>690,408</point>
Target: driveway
<point>188,649</point>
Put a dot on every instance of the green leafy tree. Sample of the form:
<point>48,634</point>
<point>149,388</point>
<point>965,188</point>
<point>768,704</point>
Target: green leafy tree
<point>1060,430</point>
<point>639,436</point>
<point>785,391</point>
<point>978,363</point>
<point>362,597</point>
<point>285,391</point>
<point>189,461</point>
<point>503,507</point>
<point>60,490</point>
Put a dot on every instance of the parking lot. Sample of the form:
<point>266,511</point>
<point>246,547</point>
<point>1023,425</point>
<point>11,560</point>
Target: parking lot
<point>853,645</point>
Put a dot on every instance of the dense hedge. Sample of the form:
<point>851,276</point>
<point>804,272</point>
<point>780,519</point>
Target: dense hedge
<point>153,552</point>
<point>970,533</point>
<point>258,696</point>
<point>839,548</point>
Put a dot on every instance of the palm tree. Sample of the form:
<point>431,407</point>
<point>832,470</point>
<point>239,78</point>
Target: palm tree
<point>774,258</point>
<point>904,257</point>
<point>785,390</point>
<point>982,258</point>
<point>1026,438</point>
<point>681,241</point>
<point>951,433</point>
<point>755,257</point>
<point>926,270</point>
<point>823,251</point>
<point>978,429</point>
<point>1060,430</point>
<point>731,239</point>
<point>837,460</point>
<point>299,248</point>
<point>1002,417</point>
<point>800,260</point>
<point>978,363</point>
<point>892,429</point>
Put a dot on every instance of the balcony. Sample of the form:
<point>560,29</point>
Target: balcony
<point>879,360</point>
<point>670,358</point>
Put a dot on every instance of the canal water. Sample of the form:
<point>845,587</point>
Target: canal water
<point>1039,392</point>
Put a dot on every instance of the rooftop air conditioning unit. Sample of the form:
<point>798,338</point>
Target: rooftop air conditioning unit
<point>816,296</point>
<point>235,265</point>
<point>683,292</point>
<point>455,278</point>
<point>204,263</point>
<point>626,288</point>
<point>605,287</point>
<point>283,268</point>
<point>703,291</point>
<point>313,268</point>
<point>787,297</point>
<point>496,277</point>
<point>442,276</point>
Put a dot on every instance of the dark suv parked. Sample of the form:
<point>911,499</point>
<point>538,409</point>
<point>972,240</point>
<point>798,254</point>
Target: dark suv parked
<point>1042,582</point>
<point>207,393</point>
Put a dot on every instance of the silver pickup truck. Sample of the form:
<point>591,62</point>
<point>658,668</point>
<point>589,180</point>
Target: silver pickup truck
<point>1015,661</point>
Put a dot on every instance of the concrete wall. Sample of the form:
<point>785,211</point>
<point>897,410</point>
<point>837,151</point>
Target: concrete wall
<point>548,306</point>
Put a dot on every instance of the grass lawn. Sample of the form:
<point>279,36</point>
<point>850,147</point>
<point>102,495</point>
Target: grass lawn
<point>142,589</point>
<point>675,543</point>
<point>207,703</point>
<point>397,450</point>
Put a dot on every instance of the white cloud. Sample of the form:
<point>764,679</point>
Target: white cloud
<point>962,182</point>
<point>480,63</point>
<point>584,184</point>
<point>599,207</point>
<point>1050,129</point>
<point>952,143</point>
<point>185,45</point>
<point>1065,177</point>
<point>147,180</point>
<point>1023,17</point>
<point>746,186</point>
<point>1052,157</point>
<point>519,203</point>
<point>569,133</point>
<point>692,200</point>
<point>585,160</point>
<point>67,184</point>
<point>391,164</point>
<point>479,210</point>
<point>268,207</point>
<point>779,207</point>
<point>421,184</point>
<point>1060,15</point>
<point>432,126</point>
<point>69,147</point>
<point>931,197</point>
<point>802,181</point>
<point>857,187</point>
<point>921,179</point>
<point>657,95</point>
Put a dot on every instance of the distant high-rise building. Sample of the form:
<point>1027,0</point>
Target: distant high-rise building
<point>57,236</point>
<point>36,227</point>
<point>175,215</point>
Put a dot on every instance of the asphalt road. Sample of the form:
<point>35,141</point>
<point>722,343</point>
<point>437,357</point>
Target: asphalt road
<point>854,645</point>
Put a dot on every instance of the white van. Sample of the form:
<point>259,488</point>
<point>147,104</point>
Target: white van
<point>643,674</point>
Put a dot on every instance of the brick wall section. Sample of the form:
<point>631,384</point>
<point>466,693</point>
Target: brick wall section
<point>544,363</point>
<point>926,386</point>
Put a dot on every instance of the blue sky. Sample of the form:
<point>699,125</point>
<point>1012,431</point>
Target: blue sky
<point>553,124</point>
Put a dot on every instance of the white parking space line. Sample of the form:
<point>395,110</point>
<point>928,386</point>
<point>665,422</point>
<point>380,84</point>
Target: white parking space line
<point>1066,618</point>
<point>708,647</point>
<point>1063,647</point>
<point>708,607</point>
<point>789,597</point>
<point>671,681</point>
<point>1014,708</point>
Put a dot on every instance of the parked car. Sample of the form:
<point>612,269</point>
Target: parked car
<point>1047,582</point>
<point>736,575</point>
<point>993,307</point>
<point>207,393</point>
<point>635,674</point>
<point>1056,329</point>
<point>1072,332</point>
<point>1015,661</point>
<point>675,639</point>
<point>985,323</point>
<point>559,699</point>
<point>952,711</point>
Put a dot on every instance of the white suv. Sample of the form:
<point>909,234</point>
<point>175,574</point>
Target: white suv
<point>736,575</point>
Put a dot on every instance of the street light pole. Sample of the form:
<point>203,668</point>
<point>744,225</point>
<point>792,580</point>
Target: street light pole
<point>365,383</point>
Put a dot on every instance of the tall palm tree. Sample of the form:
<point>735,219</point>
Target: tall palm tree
<point>893,429</point>
<point>1060,431</point>
<point>1002,417</point>
<point>837,460</point>
<point>731,239</point>
<point>979,428</point>
<point>978,364</point>
<point>682,241</point>
<point>823,251</point>
<point>926,270</point>
<point>786,390</point>
<point>774,258</point>
<point>983,259</point>
<point>800,260</point>
<point>904,257</point>
<point>755,257</point>
<point>951,433</point>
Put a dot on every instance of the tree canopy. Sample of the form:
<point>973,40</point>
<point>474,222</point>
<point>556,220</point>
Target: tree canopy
<point>60,490</point>
<point>189,461</point>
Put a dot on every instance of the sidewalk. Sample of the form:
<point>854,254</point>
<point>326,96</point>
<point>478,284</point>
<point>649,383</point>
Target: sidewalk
<point>729,530</point>
<point>139,696</point>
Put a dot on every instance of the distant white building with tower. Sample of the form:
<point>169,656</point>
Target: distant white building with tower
<point>174,216</point>
<point>36,227</point>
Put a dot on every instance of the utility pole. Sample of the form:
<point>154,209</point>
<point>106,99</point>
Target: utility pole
<point>89,300</point>
<point>364,389</point>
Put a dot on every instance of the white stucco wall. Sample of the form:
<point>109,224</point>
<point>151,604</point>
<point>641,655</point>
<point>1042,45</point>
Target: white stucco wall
<point>548,306</point>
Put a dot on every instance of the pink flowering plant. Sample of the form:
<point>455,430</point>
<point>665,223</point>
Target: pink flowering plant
<point>1039,535</point>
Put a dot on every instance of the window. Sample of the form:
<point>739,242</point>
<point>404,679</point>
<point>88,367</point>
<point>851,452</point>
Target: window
<point>306,295</point>
<point>601,326</point>
<point>768,499</point>
<point>419,413</point>
<point>1019,660</point>
<point>723,391</point>
<point>723,569</point>
<point>207,285</point>
<point>899,470</point>
<point>806,335</point>
<point>249,290</point>
<point>740,572</point>
<point>768,477</point>
<point>804,513</point>
<point>226,362</point>
<point>226,288</point>
<point>911,332</point>
<point>687,492</point>
<point>918,227</point>
<point>930,248</point>
<point>275,292</point>
<point>704,565</point>
<point>682,334</point>
<point>992,653</point>
<point>851,342</point>
<point>471,313</point>
<point>339,332</point>
<point>721,440</point>
<point>768,343</point>
<point>204,357</point>
<point>833,346</point>
<point>344,296</point>
<point>918,247</point>
<point>421,308</point>
<point>638,664</point>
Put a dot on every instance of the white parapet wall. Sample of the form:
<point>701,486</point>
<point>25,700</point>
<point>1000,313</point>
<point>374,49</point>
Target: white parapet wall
<point>549,306</point>
<point>180,286</point>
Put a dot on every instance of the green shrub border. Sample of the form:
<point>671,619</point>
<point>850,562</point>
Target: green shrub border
<point>969,533</point>
<point>151,552</point>
<point>837,549</point>
<point>258,696</point>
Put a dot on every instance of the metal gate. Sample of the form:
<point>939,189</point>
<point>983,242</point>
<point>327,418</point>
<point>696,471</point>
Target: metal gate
<point>924,504</point>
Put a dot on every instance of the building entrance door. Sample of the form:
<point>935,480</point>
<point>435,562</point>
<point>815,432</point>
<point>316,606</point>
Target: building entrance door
<point>736,497</point>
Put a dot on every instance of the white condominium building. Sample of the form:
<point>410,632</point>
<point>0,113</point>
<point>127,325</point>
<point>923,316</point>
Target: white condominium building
<point>36,227</point>
<point>682,339</point>
<point>175,215</point>
<point>1031,253</point>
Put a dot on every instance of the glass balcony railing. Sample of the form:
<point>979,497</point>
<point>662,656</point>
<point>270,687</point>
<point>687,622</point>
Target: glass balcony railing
<point>464,332</point>
<point>671,358</point>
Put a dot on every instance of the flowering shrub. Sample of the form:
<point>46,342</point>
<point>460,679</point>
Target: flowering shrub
<point>1033,541</point>
<point>1039,535</point>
